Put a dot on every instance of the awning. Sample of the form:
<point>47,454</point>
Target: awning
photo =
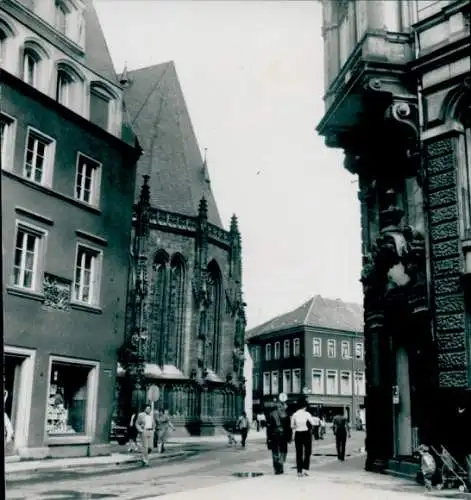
<point>154,371</point>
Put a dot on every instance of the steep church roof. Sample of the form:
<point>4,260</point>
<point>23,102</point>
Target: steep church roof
<point>97,56</point>
<point>171,156</point>
<point>318,312</point>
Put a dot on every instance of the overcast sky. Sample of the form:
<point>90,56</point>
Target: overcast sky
<point>252,75</point>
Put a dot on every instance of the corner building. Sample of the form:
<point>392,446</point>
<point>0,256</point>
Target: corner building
<point>397,101</point>
<point>185,289</point>
<point>68,171</point>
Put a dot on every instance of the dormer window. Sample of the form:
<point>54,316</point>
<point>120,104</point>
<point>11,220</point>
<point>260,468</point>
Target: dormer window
<point>102,105</point>
<point>62,15</point>
<point>30,67</point>
<point>69,87</point>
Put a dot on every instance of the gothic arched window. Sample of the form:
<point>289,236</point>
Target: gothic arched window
<point>175,346</point>
<point>158,308</point>
<point>214,316</point>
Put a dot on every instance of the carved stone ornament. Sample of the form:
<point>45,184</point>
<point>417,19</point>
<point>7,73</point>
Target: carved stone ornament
<point>56,292</point>
<point>394,271</point>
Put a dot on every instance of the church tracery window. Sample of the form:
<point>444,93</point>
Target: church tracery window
<point>214,316</point>
<point>176,311</point>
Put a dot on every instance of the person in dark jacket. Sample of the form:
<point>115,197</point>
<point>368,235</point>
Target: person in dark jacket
<point>279,434</point>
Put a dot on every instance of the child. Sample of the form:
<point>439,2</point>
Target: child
<point>428,465</point>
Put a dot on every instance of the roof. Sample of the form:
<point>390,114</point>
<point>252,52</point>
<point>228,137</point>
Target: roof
<point>171,156</point>
<point>317,312</point>
<point>97,56</point>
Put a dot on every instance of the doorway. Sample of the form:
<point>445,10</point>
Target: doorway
<point>402,406</point>
<point>18,382</point>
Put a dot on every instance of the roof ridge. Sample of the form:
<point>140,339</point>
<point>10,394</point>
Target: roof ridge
<point>312,299</point>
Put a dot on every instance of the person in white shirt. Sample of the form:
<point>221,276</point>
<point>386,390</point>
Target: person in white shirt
<point>317,424</point>
<point>302,424</point>
<point>145,425</point>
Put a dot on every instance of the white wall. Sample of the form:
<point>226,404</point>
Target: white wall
<point>248,366</point>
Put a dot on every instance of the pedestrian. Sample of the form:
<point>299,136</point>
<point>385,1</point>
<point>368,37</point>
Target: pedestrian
<point>428,465</point>
<point>316,427</point>
<point>279,434</point>
<point>302,424</point>
<point>243,427</point>
<point>341,430</point>
<point>322,429</point>
<point>259,421</point>
<point>145,427</point>
<point>165,426</point>
<point>132,434</point>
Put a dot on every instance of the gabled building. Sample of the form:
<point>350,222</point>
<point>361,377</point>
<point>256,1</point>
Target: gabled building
<point>185,313</point>
<point>68,159</point>
<point>315,350</point>
<point>397,102</point>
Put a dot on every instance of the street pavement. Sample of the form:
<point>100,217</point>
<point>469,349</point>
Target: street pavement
<point>211,469</point>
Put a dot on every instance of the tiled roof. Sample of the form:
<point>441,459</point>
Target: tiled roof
<point>171,156</point>
<point>317,312</point>
<point>97,56</point>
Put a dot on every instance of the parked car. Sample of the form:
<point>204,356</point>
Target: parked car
<point>118,433</point>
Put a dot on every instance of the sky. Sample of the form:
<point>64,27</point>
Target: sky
<point>252,76</point>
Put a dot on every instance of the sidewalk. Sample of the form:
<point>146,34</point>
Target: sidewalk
<point>176,446</point>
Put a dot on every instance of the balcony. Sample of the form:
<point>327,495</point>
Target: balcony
<point>374,75</point>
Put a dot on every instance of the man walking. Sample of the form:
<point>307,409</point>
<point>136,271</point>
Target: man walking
<point>145,426</point>
<point>279,434</point>
<point>243,427</point>
<point>302,424</point>
<point>341,430</point>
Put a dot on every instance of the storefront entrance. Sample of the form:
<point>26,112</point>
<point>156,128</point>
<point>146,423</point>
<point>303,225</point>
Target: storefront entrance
<point>18,380</point>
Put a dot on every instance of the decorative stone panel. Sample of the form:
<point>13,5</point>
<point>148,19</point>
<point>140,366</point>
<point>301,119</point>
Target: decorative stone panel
<point>453,379</point>
<point>448,342</point>
<point>450,322</point>
<point>452,361</point>
<point>444,214</point>
<point>56,292</point>
<point>447,262</point>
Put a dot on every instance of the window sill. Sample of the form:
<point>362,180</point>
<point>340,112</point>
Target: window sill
<point>24,293</point>
<point>67,439</point>
<point>86,307</point>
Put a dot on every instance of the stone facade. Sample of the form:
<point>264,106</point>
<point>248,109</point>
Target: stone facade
<point>405,70</point>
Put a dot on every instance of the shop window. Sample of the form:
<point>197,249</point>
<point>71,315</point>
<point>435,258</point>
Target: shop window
<point>70,389</point>
<point>286,381</point>
<point>317,381</point>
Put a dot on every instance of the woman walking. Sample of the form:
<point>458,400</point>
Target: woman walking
<point>302,424</point>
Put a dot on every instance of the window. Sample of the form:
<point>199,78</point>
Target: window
<point>286,344</point>
<point>274,383</point>
<point>72,397</point>
<point>266,383</point>
<point>296,347</point>
<point>360,383</point>
<point>27,257</point>
<point>87,275</point>
<point>7,133</point>
<point>286,381</point>
<point>255,382</point>
<point>332,382</point>
<point>255,354</point>
<point>359,350</point>
<point>317,347</point>
<point>331,348</point>
<point>277,350</point>
<point>346,349</point>
<point>317,381</point>
<point>64,88</point>
<point>38,157</point>
<point>3,44</point>
<point>267,352</point>
<point>87,180</point>
<point>100,107</point>
<point>30,67</point>
<point>62,17</point>
<point>346,383</point>
<point>297,381</point>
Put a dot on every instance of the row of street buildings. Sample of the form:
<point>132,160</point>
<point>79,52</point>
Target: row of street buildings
<point>118,272</point>
<point>398,103</point>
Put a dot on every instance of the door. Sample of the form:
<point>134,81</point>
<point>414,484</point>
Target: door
<point>402,408</point>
